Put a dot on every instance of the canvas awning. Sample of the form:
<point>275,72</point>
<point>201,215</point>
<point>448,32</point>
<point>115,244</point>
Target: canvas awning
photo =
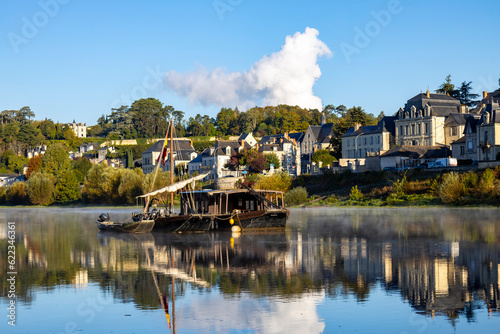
<point>176,186</point>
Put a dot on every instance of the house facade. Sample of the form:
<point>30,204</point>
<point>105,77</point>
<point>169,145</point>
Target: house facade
<point>80,129</point>
<point>366,141</point>
<point>316,137</point>
<point>150,157</point>
<point>422,121</point>
<point>285,148</point>
<point>488,127</point>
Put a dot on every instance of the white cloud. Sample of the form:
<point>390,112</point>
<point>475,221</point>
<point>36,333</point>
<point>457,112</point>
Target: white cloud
<point>285,77</point>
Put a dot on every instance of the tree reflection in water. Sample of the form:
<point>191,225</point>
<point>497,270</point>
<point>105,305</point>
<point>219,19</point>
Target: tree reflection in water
<point>443,262</point>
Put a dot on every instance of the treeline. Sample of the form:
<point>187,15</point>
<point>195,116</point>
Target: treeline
<point>54,178</point>
<point>18,131</point>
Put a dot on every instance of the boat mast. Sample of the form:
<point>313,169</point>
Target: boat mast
<point>171,163</point>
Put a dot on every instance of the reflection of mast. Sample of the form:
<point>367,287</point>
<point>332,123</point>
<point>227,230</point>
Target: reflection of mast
<point>171,163</point>
<point>163,299</point>
<point>173,295</point>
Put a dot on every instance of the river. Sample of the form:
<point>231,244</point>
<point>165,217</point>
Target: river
<point>338,270</point>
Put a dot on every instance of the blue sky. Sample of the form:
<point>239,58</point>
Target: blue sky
<point>75,59</point>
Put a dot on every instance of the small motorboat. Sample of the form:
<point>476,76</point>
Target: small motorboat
<point>140,223</point>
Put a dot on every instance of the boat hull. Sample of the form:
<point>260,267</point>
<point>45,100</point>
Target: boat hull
<point>140,226</point>
<point>247,221</point>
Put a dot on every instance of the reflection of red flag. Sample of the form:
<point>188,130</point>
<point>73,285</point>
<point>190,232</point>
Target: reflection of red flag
<point>164,304</point>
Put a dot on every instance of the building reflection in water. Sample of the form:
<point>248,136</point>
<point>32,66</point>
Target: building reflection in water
<point>445,263</point>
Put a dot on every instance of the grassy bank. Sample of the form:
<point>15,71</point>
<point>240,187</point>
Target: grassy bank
<point>410,188</point>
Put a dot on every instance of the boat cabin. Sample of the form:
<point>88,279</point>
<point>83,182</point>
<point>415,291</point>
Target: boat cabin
<point>221,202</point>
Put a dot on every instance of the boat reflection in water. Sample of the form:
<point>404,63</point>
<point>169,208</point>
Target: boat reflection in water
<point>448,266</point>
<point>328,268</point>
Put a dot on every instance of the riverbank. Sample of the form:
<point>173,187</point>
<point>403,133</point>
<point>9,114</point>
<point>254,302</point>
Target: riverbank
<point>413,187</point>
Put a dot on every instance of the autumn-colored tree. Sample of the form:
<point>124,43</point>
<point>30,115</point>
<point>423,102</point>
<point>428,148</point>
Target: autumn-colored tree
<point>34,165</point>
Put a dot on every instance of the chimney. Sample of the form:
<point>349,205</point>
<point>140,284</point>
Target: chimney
<point>356,126</point>
<point>428,94</point>
<point>485,93</point>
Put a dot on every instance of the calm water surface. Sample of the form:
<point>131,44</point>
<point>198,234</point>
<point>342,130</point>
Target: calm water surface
<point>332,271</point>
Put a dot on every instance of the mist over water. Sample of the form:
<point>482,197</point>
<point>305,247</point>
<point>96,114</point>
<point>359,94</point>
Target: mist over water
<point>400,270</point>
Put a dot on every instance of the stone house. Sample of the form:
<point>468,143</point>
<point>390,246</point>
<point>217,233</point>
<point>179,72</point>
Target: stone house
<point>488,127</point>
<point>286,148</point>
<point>182,146</point>
<point>422,120</point>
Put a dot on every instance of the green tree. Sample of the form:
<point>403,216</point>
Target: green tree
<point>13,162</point>
<point>55,161</point>
<point>40,188</point>
<point>67,188</point>
<point>466,96</point>
<point>447,87</point>
<point>272,158</point>
<point>81,167</point>
<point>130,185</point>
<point>344,123</point>
<point>93,186</point>
<point>150,117</point>
<point>48,129</point>
<point>225,121</point>
<point>324,157</point>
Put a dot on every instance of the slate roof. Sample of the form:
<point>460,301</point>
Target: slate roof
<point>298,136</point>
<point>471,122</point>
<point>456,119</point>
<point>490,104</point>
<point>273,139</point>
<point>418,151</point>
<point>197,159</point>
<point>459,141</point>
<point>325,133</point>
<point>386,123</point>
<point>184,155</point>
<point>441,104</point>
<point>179,144</point>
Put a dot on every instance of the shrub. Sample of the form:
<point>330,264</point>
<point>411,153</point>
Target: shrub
<point>279,181</point>
<point>399,186</point>
<point>40,188</point>
<point>296,196</point>
<point>16,193</point>
<point>452,189</point>
<point>470,180</point>
<point>332,199</point>
<point>3,195</point>
<point>356,194</point>
<point>487,181</point>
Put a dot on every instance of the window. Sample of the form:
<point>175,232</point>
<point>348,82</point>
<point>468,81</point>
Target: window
<point>401,130</point>
<point>453,131</point>
<point>371,140</point>
<point>378,139</point>
<point>347,144</point>
<point>426,128</point>
<point>462,150</point>
<point>413,129</point>
<point>407,130</point>
<point>364,140</point>
<point>469,145</point>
